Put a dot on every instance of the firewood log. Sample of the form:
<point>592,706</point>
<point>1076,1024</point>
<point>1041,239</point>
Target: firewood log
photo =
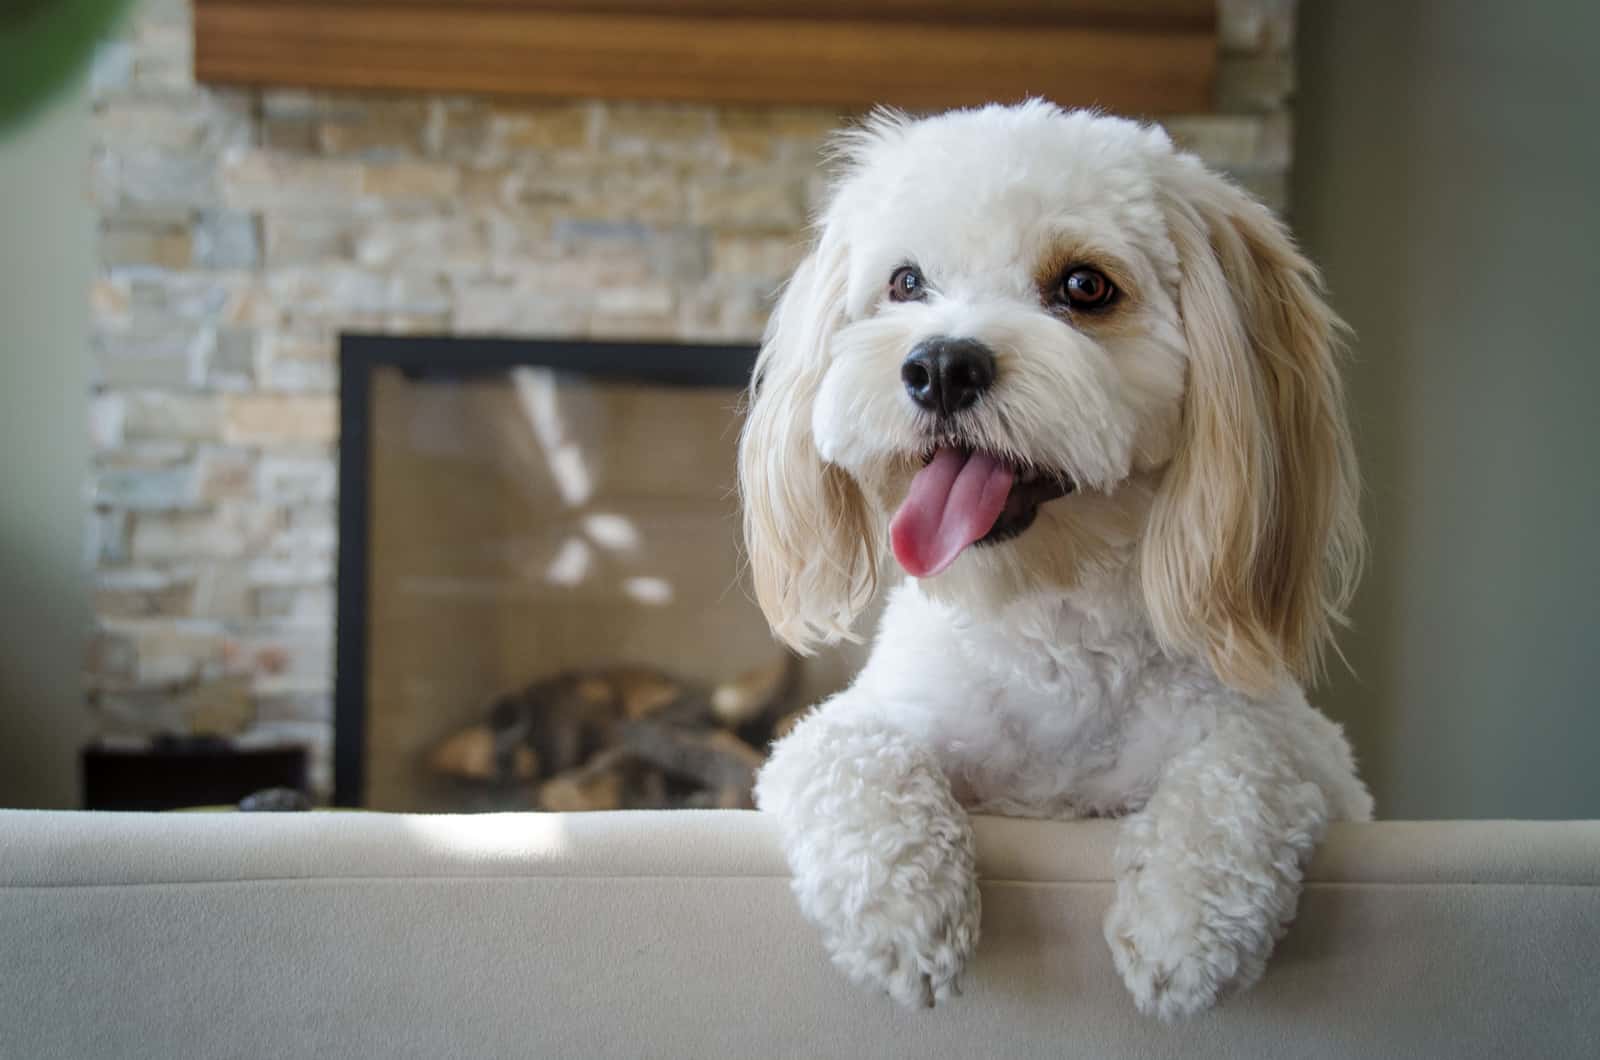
<point>611,780</point>
<point>711,758</point>
<point>472,753</point>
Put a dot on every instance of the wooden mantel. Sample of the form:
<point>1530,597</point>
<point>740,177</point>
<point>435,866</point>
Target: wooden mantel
<point>1132,56</point>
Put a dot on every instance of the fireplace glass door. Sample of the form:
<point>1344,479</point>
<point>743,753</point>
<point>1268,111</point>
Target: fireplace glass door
<point>555,613</point>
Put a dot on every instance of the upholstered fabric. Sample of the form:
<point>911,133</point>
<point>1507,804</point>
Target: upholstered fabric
<point>674,935</point>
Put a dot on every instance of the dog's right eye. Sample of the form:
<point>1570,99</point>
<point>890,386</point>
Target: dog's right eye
<point>907,285</point>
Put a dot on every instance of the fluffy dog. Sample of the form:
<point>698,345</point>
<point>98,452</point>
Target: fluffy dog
<point>1086,391</point>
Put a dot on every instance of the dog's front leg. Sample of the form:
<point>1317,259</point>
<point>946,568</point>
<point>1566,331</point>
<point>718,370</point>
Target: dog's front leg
<point>882,854</point>
<point>1208,873</point>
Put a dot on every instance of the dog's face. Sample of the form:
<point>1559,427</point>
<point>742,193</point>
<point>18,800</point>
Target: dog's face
<point>1030,344</point>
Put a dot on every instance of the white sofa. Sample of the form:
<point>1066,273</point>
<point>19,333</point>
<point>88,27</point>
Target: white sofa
<point>674,935</point>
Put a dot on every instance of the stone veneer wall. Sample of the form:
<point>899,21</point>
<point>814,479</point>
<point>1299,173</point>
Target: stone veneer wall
<point>241,231</point>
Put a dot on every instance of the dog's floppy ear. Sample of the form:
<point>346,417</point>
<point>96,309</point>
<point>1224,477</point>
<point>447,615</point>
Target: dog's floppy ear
<point>1254,544</point>
<point>812,542</point>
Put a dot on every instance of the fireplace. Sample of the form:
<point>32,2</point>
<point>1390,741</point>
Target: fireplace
<point>540,602</point>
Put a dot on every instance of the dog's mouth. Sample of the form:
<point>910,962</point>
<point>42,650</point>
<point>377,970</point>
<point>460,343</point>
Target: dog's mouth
<point>965,497</point>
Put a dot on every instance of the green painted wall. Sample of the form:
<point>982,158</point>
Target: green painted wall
<point>46,237</point>
<point>1448,179</point>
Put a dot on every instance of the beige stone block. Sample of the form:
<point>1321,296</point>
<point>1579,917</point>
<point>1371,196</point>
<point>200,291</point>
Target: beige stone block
<point>145,488</point>
<point>310,343</point>
<point>311,531</point>
<point>756,258</point>
<point>1256,25</point>
<point>147,454</point>
<point>517,236</point>
<point>1227,141</point>
<point>250,305</point>
<point>297,479</point>
<point>282,571</point>
<point>221,707</point>
<point>111,658</point>
<point>144,176</point>
<point>155,354</point>
<point>109,298</point>
<point>226,239</point>
<point>417,292</point>
<point>142,594</point>
<point>224,474</point>
<point>232,364</point>
<point>488,188</point>
<point>762,135</point>
<point>289,134</point>
<point>498,307</point>
<point>300,376</point>
<point>457,128</point>
<point>284,657</point>
<point>303,102</point>
<point>410,182</point>
<point>232,530</point>
<point>583,277</point>
<point>644,300</point>
<point>543,127</point>
<point>151,414</point>
<point>222,591</point>
<point>657,130</point>
<point>380,128</point>
<point>255,179</point>
<point>659,326</point>
<point>762,199</point>
<point>679,254</point>
<point>332,290</point>
<point>724,311</point>
<point>163,57</point>
<point>147,13</point>
<point>169,651</point>
<point>204,121</point>
<point>295,238</point>
<point>213,299</point>
<point>451,242</point>
<point>279,419</point>
<point>600,188</point>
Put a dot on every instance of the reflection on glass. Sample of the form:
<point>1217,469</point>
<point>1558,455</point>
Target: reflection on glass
<point>557,618</point>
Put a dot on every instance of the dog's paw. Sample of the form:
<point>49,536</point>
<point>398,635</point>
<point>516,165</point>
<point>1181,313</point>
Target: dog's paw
<point>1182,941</point>
<point>912,937</point>
<point>1172,966</point>
<point>883,856</point>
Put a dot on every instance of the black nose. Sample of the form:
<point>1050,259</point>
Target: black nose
<point>947,375</point>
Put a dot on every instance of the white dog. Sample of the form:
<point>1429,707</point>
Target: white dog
<point>1087,391</point>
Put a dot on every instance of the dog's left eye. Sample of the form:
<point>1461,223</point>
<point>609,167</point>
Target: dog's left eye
<point>907,285</point>
<point>1084,288</point>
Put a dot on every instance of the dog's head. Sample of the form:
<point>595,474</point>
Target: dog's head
<point>1031,344</point>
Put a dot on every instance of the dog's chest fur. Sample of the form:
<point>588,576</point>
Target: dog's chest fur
<point>1057,707</point>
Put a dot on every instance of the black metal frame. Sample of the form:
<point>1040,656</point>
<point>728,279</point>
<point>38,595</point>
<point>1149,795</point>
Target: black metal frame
<point>449,357</point>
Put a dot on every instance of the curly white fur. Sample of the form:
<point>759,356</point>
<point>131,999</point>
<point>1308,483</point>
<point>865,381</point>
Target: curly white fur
<point>1134,651</point>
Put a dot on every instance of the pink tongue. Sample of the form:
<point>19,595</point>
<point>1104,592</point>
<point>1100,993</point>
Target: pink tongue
<point>952,502</point>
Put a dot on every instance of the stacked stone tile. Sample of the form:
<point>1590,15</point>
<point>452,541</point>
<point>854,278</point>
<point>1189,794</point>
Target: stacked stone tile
<point>241,231</point>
